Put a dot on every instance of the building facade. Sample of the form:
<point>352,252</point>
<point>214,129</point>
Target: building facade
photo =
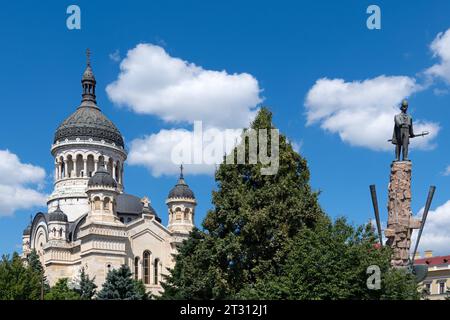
<point>437,282</point>
<point>91,222</point>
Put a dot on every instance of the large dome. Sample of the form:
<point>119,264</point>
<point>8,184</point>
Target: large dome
<point>89,122</point>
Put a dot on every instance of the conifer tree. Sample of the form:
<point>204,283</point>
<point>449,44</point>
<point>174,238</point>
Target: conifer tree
<point>267,238</point>
<point>120,285</point>
<point>18,281</point>
<point>34,263</point>
<point>62,291</point>
<point>253,223</point>
<point>85,286</point>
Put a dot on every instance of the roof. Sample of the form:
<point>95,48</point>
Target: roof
<point>88,122</point>
<point>181,189</point>
<point>128,204</point>
<point>102,178</point>
<point>433,261</point>
<point>57,215</point>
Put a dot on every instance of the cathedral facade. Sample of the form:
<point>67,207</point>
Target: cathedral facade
<point>91,222</point>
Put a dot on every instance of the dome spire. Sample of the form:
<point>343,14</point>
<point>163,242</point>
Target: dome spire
<point>88,57</point>
<point>88,83</point>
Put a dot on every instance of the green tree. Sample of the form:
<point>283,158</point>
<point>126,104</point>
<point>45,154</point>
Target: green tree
<point>254,221</point>
<point>18,281</point>
<point>120,285</point>
<point>330,261</point>
<point>61,291</point>
<point>267,237</point>
<point>36,267</point>
<point>85,286</point>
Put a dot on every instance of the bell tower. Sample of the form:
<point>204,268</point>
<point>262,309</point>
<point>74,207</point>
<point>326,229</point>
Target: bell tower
<point>181,205</point>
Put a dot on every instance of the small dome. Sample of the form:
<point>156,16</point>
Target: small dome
<point>27,230</point>
<point>181,189</point>
<point>102,178</point>
<point>88,74</point>
<point>57,215</point>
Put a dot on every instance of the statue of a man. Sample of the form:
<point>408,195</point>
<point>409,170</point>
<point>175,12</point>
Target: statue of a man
<point>403,130</point>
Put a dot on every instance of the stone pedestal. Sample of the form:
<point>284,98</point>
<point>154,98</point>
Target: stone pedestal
<point>400,221</point>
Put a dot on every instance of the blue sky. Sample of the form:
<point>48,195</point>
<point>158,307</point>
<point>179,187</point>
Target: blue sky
<point>285,46</point>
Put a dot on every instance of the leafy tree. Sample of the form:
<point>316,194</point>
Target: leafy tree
<point>330,261</point>
<point>267,237</point>
<point>120,285</point>
<point>61,291</point>
<point>252,226</point>
<point>18,281</point>
<point>85,286</point>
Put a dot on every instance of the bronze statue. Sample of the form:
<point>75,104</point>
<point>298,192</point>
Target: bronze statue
<point>403,130</point>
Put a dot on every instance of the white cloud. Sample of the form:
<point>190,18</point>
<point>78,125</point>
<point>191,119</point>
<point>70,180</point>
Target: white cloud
<point>162,153</point>
<point>15,176</point>
<point>435,235</point>
<point>447,171</point>
<point>362,112</point>
<point>115,56</point>
<point>153,82</point>
<point>441,50</point>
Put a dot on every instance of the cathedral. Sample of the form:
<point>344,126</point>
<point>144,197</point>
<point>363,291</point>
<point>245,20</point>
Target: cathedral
<point>91,222</point>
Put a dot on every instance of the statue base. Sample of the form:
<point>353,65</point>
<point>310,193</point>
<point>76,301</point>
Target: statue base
<point>400,221</point>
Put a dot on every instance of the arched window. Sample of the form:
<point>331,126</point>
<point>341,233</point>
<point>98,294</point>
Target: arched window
<point>110,166</point>
<point>186,214</point>
<point>155,271</point>
<point>90,165</point>
<point>97,204</point>
<point>106,204</point>
<point>63,167</point>
<point>178,214</point>
<point>136,268</point>
<point>146,267</point>
<point>60,232</point>
<point>79,166</point>
<point>70,169</point>
<point>101,162</point>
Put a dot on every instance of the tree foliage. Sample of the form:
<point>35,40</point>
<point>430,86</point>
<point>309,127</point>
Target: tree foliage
<point>120,285</point>
<point>254,221</point>
<point>19,281</point>
<point>84,286</point>
<point>62,291</point>
<point>267,237</point>
<point>330,261</point>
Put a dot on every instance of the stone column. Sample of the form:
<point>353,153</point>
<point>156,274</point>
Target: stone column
<point>96,167</point>
<point>66,167</point>
<point>56,171</point>
<point>75,166</point>
<point>400,221</point>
